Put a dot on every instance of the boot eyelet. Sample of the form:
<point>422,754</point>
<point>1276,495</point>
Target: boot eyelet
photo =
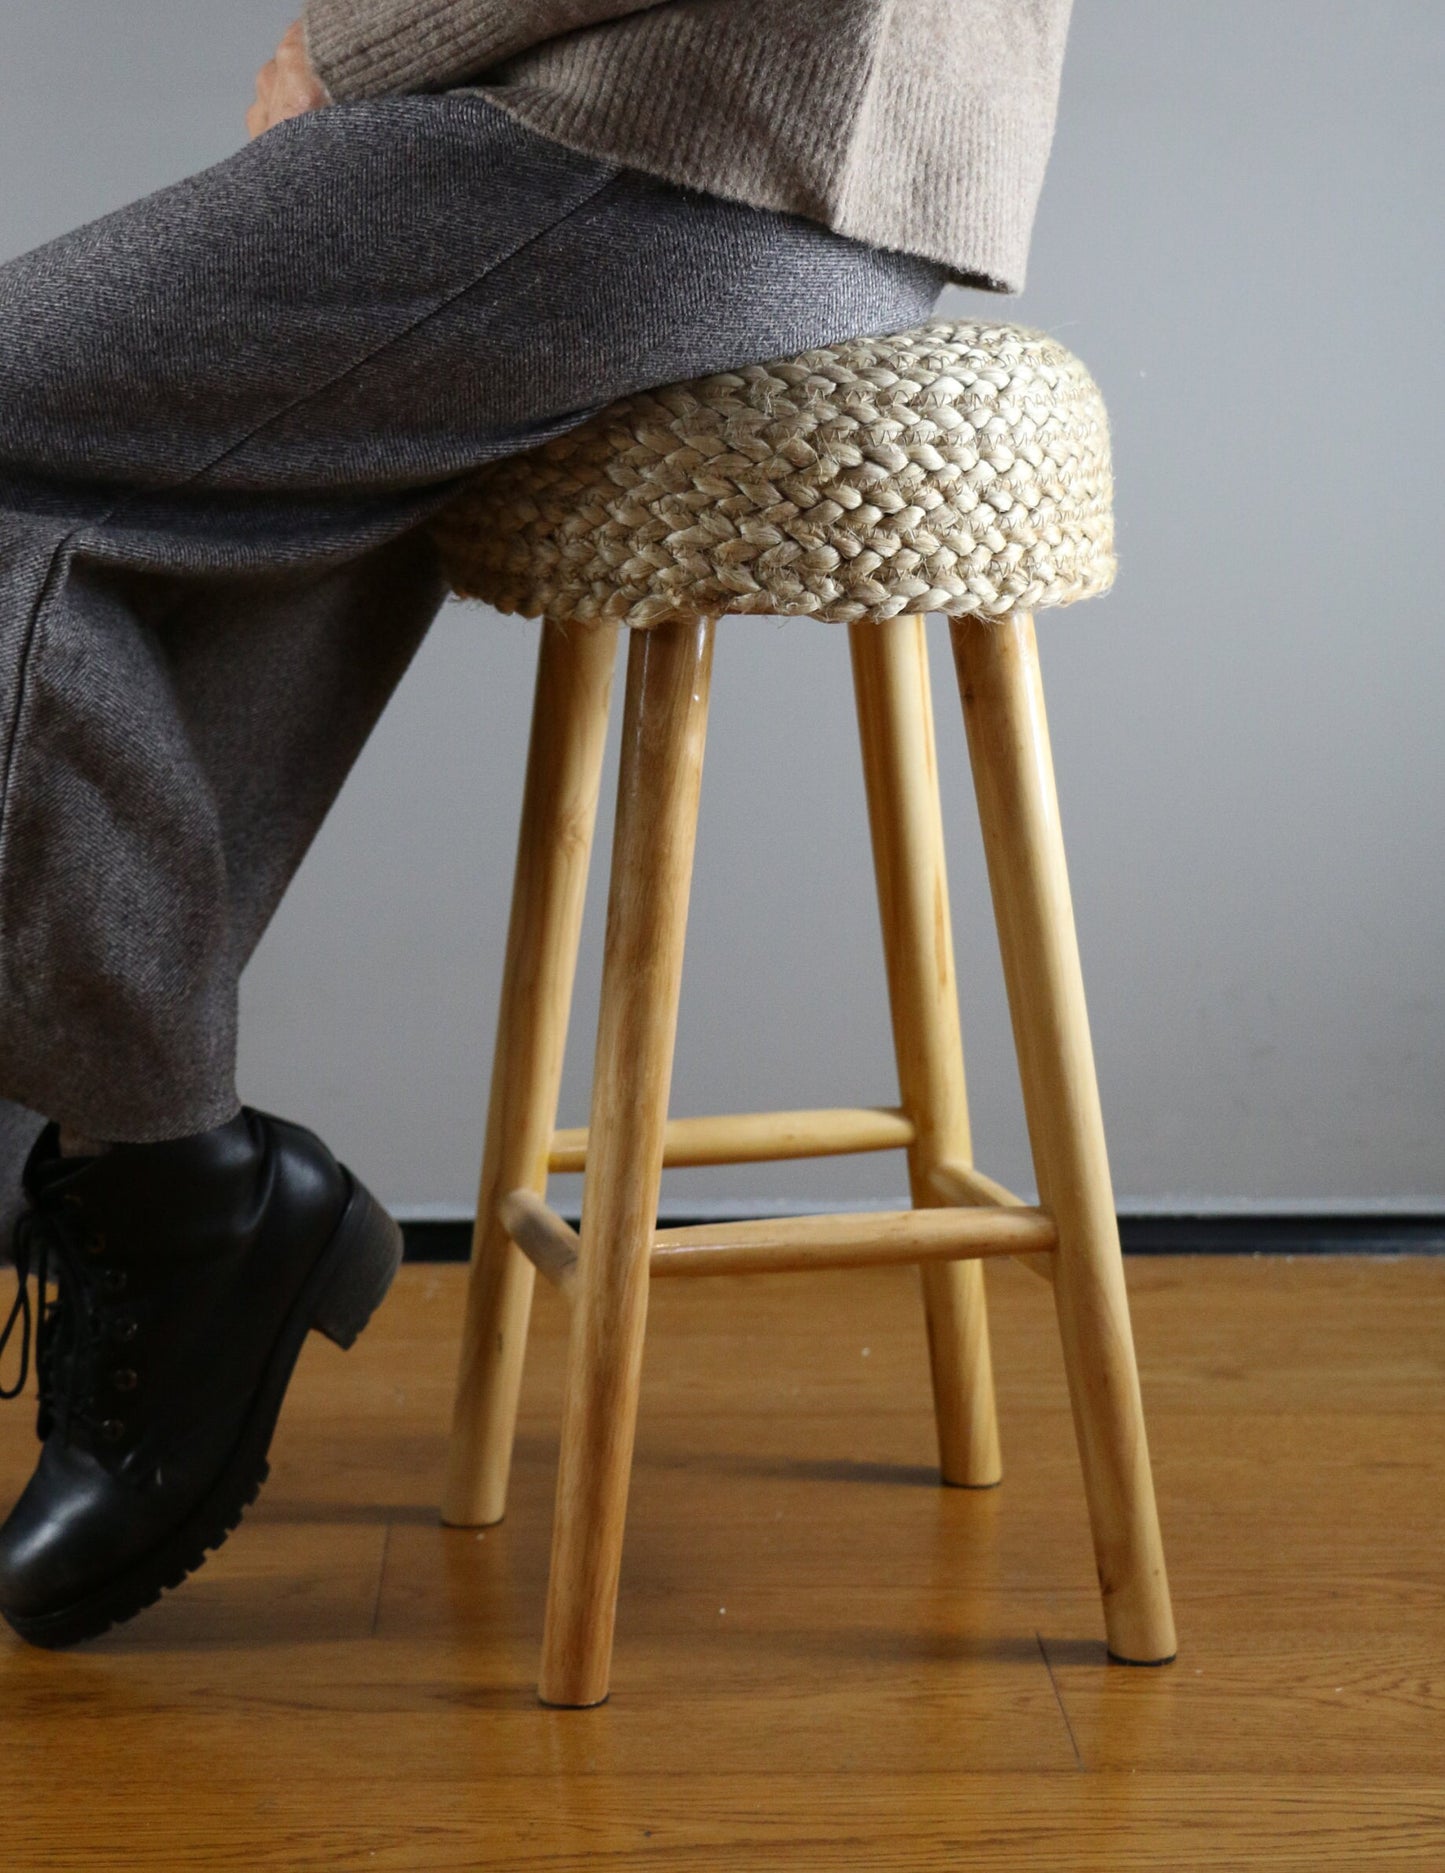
<point>95,1245</point>
<point>124,1380</point>
<point>112,1430</point>
<point>113,1280</point>
<point>125,1331</point>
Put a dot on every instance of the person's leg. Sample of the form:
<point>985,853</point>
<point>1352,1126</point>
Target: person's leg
<point>200,452</point>
<point>225,415</point>
<point>157,1396</point>
<point>250,381</point>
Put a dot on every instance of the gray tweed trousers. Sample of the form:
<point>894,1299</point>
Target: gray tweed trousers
<point>225,413</point>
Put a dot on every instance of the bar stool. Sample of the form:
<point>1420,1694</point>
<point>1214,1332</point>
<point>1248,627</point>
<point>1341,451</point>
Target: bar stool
<point>959,468</point>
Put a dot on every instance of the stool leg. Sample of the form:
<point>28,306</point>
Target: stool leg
<point>1008,740</point>
<point>664,729</point>
<point>900,772</point>
<point>559,810</point>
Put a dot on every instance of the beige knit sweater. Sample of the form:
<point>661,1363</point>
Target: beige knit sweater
<point>920,125</point>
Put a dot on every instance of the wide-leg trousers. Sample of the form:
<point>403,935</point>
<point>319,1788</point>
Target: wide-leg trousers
<point>226,414</point>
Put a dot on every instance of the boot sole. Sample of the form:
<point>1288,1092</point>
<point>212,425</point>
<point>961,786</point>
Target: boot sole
<point>342,1292</point>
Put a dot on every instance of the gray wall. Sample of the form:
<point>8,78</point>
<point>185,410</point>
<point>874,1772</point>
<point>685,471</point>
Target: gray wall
<point>1240,234</point>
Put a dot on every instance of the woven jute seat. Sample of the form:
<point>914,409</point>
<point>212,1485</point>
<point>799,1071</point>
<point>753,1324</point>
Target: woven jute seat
<point>955,468</point>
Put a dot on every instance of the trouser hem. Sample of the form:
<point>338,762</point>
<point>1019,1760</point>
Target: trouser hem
<point>125,1123</point>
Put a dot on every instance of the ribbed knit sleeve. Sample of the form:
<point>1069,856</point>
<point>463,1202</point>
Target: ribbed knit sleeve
<point>379,48</point>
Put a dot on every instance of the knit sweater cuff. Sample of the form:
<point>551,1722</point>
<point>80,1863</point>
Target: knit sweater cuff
<point>381,48</point>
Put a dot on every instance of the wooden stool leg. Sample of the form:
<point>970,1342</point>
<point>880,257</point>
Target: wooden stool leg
<point>559,810</point>
<point>900,771</point>
<point>1008,740</point>
<point>664,729</point>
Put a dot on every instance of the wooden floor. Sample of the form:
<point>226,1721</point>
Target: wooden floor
<point>824,1661</point>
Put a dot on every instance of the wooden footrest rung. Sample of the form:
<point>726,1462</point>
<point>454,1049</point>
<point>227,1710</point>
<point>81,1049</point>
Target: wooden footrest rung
<point>962,1184</point>
<point>863,1239</point>
<point>760,1137</point>
<point>548,1240</point>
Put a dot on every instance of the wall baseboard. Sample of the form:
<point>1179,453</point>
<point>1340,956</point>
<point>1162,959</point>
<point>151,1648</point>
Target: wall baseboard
<point>448,1239</point>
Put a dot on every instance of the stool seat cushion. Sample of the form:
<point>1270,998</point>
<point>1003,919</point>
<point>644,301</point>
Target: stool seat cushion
<point>957,468</point>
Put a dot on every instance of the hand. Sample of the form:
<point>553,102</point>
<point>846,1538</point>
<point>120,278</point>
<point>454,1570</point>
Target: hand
<point>287,87</point>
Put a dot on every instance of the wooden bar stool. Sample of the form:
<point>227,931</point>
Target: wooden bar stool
<point>956,468</point>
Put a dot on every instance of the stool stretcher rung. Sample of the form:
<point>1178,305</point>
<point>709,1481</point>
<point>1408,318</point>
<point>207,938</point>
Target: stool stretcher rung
<point>961,1184</point>
<point>863,1239</point>
<point>760,1137</point>
<point>547,1240</point>
<point>860,1240</point>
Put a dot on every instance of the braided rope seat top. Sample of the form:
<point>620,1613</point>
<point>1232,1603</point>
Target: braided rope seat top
<point>957,468</point>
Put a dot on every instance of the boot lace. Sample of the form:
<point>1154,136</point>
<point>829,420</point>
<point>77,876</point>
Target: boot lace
<point>70,1332</point>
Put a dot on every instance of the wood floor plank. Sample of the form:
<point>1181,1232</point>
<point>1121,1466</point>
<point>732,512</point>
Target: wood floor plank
<point>824,1659</point>
<point>1106,1823</point>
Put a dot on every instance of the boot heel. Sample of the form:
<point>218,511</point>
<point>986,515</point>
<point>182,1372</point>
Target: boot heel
<point>364,1259</point>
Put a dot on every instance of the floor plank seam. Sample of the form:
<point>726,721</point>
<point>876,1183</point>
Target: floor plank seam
<point>380,1580</point>
<point>1058,1699</point>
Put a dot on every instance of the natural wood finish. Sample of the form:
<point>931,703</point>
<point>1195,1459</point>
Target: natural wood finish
<point>961,1184</point>
<point>559,809</point>
<point>760,1137</point>
<point>966,1187</point>
<point>905,1678</point>
<point>860,1239</point>
<point>549,1243</point>
<point>663,734</point>
<point>900,770</point>
<point>1008,740</point>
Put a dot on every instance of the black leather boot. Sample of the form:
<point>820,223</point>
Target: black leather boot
<point>187,1276</point>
